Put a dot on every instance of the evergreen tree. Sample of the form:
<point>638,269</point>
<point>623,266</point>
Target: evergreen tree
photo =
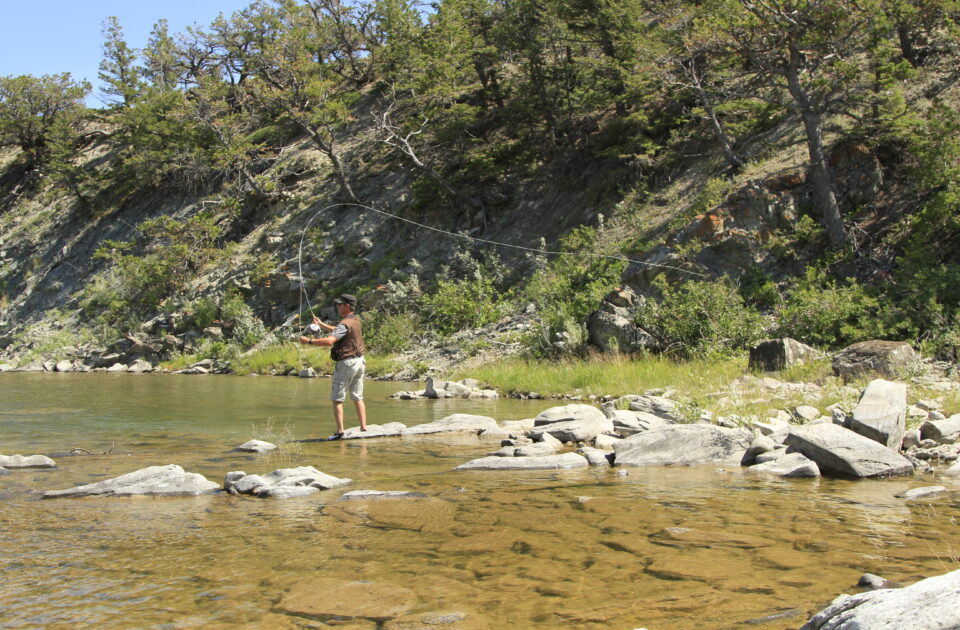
<point>118,72</point>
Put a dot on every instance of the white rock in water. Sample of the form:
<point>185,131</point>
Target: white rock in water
<point>457,423</point>
<point>789,465</point>
<point>683,445</point>
<point>390,429</point>
<point>930,604</point>
<point>572,423</point>
<point>841,451</point>
<point>547,462</point>
<point>256,446</point>
<point>28,461</point>
<point>157,481</point>
<point>920,493</point>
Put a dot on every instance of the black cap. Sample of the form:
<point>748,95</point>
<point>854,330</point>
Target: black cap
<point>346,298</point>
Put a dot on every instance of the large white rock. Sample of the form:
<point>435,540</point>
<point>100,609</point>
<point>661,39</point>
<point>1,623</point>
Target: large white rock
<point>27,461</point>
<point>931,604</point>
<point>287,482</point>
<point>683,445</point>
<point>156,481</point>
<point>655,405</point>
<point>457,423</point>
<point>626,422</point>
<point>788,465</point>
<point>881,413</point>
<point>842,452</point>
<point>939,429</point>
<point>546,462</point>
<point>572,423</point>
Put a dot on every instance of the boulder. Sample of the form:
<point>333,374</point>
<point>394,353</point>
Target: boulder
<point>537,449</point>
<point>64,366</point>
<point>939,429</point>
<point>307,373</point>
<point>627,422</point>
<point>595,456</point>
<point>910,439</point>
<point>885,358</point>
<point>230,480</point>
<point>456,423</point>
<point>842,452</point>
<point>881,413</point>
<point>612,329</point>
<point>606,442</point>
<point>572,423</point>
<point>760,445</point>
<point>390,429</point>
<point>156,481</point>
<point>788,465</point>
<point>656,405</point>
<point>139,366</point>
<point>683,445</point>
<point>873,582</point>
<point>806,413</point>
<point>777,354</point>
<point>256,446</point>
<point>27,461</point>
<point>547,462</point>
<point>288,482</point>
<point>930,604</point>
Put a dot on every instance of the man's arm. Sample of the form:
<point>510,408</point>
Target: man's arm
<point>322,341</point>
<point>322,324</point>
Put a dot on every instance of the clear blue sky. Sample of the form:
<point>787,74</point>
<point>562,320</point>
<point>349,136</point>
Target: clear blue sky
<point>50,36</point>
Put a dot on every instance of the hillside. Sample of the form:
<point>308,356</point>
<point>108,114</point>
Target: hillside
<point>554,154</point>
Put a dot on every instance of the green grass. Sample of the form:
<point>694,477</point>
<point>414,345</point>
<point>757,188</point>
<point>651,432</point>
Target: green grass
<point>286,356</point>
<point>615,376</point>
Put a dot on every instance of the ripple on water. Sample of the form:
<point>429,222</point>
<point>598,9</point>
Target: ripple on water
<point>661,548</point>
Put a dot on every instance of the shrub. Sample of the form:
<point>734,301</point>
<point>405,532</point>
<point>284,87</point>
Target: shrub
<point>821,311</point>
<point>389,332</point>
<point>700,318</point>
<point>455,305</point>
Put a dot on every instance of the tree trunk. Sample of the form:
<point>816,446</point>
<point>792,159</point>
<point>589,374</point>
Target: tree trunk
<point>820,173</point>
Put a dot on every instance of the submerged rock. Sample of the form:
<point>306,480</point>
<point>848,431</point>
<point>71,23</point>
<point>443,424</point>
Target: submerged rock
<point>840,451</point>
<point>930,604</point>
<point>546,462</point>
<point>329,599</point>
<point>366,495</point>
<point>156,481</point>
<point>444,620</point>
<point>683,445</point>
<point>27,461</point>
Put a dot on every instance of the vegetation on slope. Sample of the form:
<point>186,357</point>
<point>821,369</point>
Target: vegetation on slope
<point>482,104</point>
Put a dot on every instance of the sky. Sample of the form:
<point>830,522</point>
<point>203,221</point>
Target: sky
<point>52,36</point>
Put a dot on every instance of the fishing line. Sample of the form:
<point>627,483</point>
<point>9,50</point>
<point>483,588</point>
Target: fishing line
<point>303,291</point>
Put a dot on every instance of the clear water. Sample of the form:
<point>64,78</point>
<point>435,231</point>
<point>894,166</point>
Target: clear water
<point>658,548</point>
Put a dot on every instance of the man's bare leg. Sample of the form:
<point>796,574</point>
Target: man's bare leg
<point>361,413</point>
<point>338,415</point>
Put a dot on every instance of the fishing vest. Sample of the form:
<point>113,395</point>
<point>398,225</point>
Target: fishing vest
<point>352,343</point>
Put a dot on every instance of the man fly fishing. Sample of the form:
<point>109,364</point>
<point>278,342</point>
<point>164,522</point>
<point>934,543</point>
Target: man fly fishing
<point>346,339</point>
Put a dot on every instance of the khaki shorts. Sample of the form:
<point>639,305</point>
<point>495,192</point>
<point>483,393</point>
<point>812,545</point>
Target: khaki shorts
<point>348,375</point>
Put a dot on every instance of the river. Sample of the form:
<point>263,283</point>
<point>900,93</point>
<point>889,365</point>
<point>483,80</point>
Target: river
<point>659,548</point>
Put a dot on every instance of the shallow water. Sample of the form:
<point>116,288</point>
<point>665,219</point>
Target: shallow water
<point>658,548</point>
